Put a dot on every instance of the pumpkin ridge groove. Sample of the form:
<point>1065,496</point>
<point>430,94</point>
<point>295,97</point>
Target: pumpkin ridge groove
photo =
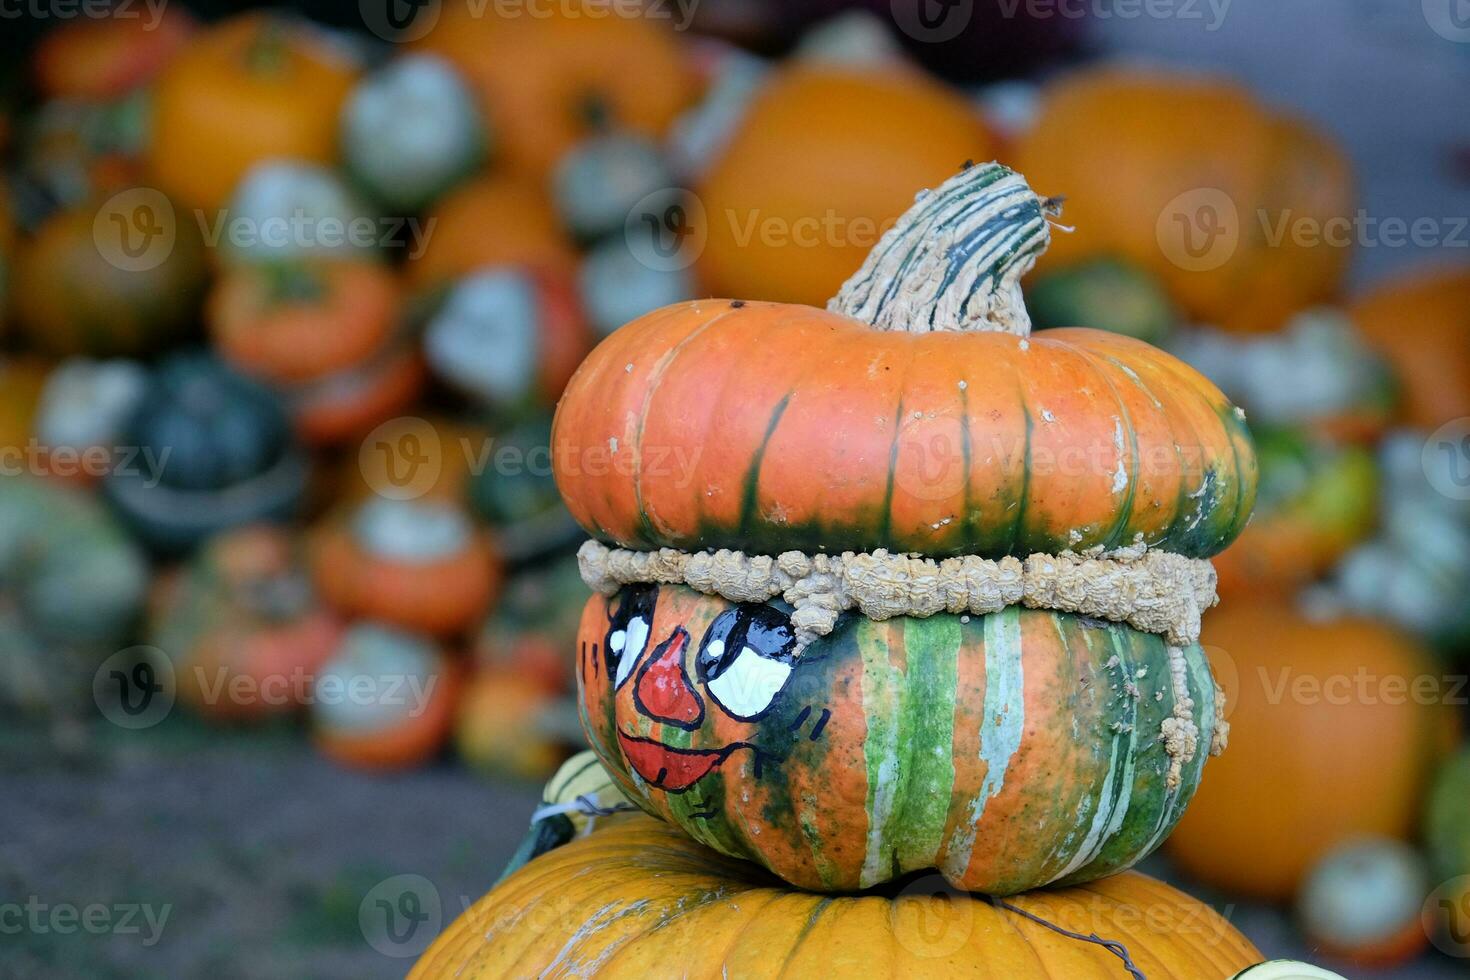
<point>751,490</point>
<point>1018,525</point>
<point>1125,511</point>
<point>822,905</point>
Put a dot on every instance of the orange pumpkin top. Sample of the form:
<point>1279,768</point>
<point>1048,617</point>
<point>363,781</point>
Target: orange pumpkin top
<point>290,323</point>
<point>495,220</point>
<point>1194,180</point>
<point>824,161</point>
<point>251,88</point>
<point>915,414</point>
<point>550,76</point>
<point>1421,323</point>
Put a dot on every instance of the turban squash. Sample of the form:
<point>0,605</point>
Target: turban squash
<point>915,415</point>
<point>636,899</point>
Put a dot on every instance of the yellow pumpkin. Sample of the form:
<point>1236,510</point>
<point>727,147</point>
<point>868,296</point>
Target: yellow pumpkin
<point>637,898</point>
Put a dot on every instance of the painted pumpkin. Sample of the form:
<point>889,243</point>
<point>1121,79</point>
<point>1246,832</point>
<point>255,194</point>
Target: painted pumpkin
<point>80,297</point>
<point>103,58</point>
<point>1317,500</point>
<point>1418,323</point>
<point>1332,737</point>
<point>1447,835</point>
<point>385,699</point>
<point>823,162</point>
<point>251,88</point>
<point>507,725</point>
<point>74,588</point>
<point>637,899</point>
<point>418,564</point>
<point>411,131</point>
<point>491,221</point>
<point>549,79</point>
<point>1363,903</point>
<point>1008,751</point>
<point>243,626</point>
<point>1177,173</point>
<point>509,337</point>
<point>214,451</point>
<point>293,322</point>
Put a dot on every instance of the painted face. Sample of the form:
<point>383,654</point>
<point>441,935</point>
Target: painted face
<point>682,678</point>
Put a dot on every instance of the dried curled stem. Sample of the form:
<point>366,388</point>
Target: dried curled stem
<point>1153,591</point>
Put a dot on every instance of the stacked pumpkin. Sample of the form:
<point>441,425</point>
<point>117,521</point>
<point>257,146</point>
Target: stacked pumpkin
<point>926,600</point>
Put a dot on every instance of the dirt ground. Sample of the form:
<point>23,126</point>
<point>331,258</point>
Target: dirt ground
<point>241,854</point>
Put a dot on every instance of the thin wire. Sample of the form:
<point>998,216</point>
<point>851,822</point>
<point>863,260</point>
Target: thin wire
<point>1112,946</point>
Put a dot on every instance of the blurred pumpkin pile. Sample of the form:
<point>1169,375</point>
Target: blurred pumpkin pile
<point>286,310</point>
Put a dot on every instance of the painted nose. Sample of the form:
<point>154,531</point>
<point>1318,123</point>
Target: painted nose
<point>664,692</point>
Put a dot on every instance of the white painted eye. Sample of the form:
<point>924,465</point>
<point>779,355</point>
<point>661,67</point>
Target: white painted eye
<point>630,650</point>
<point>747,685</point>
<point>616,641</point>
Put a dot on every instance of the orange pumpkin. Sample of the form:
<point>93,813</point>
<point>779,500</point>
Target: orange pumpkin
<point>254,87</point>
<point>21,382</point>
<point>825,159</point>
<point>78,296</point>
<point>103,58</point>
<point>502,725</point>
<point>418,564</point>
<point>414,457</point>
<point>914,414</point>
<point>496,220</point>
<point>244,626</point>
<point>1421,323</point>
<point>1192,178</point>
<point>635,898</point>
<point>297,322</point>
<point>1333,736</point>
<point>347,404</point>
<point>385,700</point>
<point>547,77</point>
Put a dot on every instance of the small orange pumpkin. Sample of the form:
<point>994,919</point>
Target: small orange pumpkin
<point>74,299</point>
<point>104,58</point>
<point>300,321</point>
<point>551,76</point>
<point>824,161</point>
<point>418,564</point>
<point>1332,737</point>
<point>1151,164</point>
<point>635,898</point>
<point>505,722</point>
<point>385,700</point>
<point>254,87</point>
<point>244,627</point>
<point>496,220</point>
<point>1421,323</point>
<point>347,404</point>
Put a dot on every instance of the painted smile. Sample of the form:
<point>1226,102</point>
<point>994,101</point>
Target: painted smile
<point>669,769</point>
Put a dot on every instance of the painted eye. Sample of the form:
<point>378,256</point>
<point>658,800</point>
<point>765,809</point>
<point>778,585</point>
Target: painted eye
<point>745,659</point>
<point>628,633</point>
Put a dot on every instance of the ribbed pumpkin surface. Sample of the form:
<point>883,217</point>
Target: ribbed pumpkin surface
<point>637,899</point>
<point>1009,751</point>
<point>770,427</point>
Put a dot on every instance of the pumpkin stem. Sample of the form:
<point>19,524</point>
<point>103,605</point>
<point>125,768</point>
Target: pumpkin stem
<point>954,260</point>
<point>1111,945</point>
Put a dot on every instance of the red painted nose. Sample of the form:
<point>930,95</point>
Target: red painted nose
<point>663,691</point>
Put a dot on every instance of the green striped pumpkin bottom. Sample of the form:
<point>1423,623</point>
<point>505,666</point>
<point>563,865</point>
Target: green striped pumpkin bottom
<point>1008,752</point>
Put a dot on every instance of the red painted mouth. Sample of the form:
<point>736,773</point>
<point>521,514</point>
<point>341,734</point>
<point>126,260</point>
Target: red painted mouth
<point>669,769</point>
